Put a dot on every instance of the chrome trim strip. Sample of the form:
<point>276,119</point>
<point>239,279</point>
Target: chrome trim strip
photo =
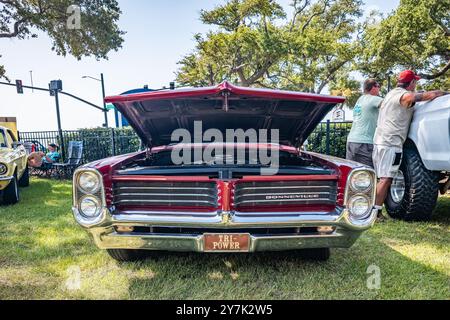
<point>284,200</point>
<point>165,188</point>
<point>6,178</point>
<point>277,194</point>
<point>284,187</point>
<point>166,195</point>
<point>215,219</point>
<point>164,201</point>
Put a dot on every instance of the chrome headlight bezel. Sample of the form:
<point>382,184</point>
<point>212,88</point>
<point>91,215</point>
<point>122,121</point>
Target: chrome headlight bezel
<point>368,193</point>
<point>3,169</point>
<point>353,181</point>
<point>79,195</point>
<point>351,206</point>
<point>88,175</point>
<point>93,199</point>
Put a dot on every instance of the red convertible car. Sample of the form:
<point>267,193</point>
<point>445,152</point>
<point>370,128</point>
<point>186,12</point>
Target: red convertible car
<point>140,203</point>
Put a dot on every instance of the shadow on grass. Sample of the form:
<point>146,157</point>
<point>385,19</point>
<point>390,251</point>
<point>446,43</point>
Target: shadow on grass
<point>285,275</point>
<point>44,240</point>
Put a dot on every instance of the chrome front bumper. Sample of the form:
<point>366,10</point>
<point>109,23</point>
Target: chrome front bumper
<point>106,237</point>
<point>4,182</point>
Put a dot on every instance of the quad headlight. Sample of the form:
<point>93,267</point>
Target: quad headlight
<point>3,169</point>
<point>359,206</point>
<point>360,195</point>
<point>89,182</point>
<point>88,197</point>
<point>90,207</point>
<point>361,181</point>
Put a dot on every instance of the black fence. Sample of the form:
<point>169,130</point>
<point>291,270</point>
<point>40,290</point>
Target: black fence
<point>97,143</point>
<point>328,138</point>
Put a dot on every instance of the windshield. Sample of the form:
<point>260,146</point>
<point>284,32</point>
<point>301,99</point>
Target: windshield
<point>3,143</point>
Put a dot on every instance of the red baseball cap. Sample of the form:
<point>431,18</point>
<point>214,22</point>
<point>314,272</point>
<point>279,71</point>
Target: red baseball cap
<point>407,76</point>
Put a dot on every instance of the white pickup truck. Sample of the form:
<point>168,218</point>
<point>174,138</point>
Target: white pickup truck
<point>425,169</point>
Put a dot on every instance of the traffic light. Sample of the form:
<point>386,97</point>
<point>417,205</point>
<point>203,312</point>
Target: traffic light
<point>55,86</point>
<point>19,86</point>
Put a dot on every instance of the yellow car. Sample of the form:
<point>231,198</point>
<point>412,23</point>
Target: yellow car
<point>13,167</point>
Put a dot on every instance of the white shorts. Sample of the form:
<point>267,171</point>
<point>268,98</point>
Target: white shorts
<point>386,160</point>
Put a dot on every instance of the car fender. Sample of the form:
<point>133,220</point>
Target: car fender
<point>430,132</point>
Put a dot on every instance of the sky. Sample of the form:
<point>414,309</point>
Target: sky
<point>159,34</point>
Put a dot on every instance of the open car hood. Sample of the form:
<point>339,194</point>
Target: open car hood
<point>155,115</point>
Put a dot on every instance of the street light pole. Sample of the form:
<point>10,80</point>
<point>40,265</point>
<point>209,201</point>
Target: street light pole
<point>104,103</point>
<point>388,75</point>
<point>102,80</point>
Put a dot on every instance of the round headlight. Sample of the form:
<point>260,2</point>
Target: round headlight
<point>361,181</point>
<point>90,207</point>
<point>89,182</point>
<point>359,206</point>
<point>3,169</point>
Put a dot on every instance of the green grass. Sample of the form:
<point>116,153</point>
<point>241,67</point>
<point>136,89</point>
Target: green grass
<point>41,247</point>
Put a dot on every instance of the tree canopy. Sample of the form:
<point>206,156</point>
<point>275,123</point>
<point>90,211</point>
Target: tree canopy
<point>319,45</point>
<point>96,35</point>
<point>415,36</point>
<point>256,44</point>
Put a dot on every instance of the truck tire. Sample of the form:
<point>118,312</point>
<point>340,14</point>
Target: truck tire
<point>11,192</point>
<point>320,254</point>
<point>24,181</point>
<point>421,189</point>
<point>127,255</point>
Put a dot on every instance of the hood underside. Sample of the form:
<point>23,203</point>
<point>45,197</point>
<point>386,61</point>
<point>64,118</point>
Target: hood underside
<point>156,115</point>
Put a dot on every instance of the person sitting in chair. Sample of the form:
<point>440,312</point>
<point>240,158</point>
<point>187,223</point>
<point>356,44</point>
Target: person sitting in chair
<point>42,160</point>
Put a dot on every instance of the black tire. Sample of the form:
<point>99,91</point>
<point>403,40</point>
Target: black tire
<point>127,255</point>
<point>421,189</point>
<point>320,254</point>
<point>24,181</point>
<point>11,193</point>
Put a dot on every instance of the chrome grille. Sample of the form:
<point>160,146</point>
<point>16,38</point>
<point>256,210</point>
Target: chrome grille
<point>259,193</point>
<point>170,194</point>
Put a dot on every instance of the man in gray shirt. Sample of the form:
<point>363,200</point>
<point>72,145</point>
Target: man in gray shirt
<point>395,117</point>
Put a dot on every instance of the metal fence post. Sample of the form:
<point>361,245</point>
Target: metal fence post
<point>327,145</point>
<point>113,142</point>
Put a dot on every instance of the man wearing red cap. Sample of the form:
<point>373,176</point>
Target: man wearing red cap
<point>395,117</point>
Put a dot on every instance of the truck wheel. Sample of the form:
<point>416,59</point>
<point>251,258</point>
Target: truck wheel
<point>11,192</point>
<point>414,191</point>
<point>126,255</point>
<point>321,254</point>
<point>24,181</point>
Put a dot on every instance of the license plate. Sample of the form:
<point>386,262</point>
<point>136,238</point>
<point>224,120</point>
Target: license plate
<point>223,242</point>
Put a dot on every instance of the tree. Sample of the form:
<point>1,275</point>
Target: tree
<point>414,36</point>
<point>96,34</point>
<point>247,44</point>
<point>346,87</point>
<point>256,44</point>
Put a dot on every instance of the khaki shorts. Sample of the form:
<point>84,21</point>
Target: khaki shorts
<point>387,160</point>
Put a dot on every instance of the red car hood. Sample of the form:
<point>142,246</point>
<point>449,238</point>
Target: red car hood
<point>155,115</point>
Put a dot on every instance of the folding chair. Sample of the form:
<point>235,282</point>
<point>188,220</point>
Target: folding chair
<point>66,170</point>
